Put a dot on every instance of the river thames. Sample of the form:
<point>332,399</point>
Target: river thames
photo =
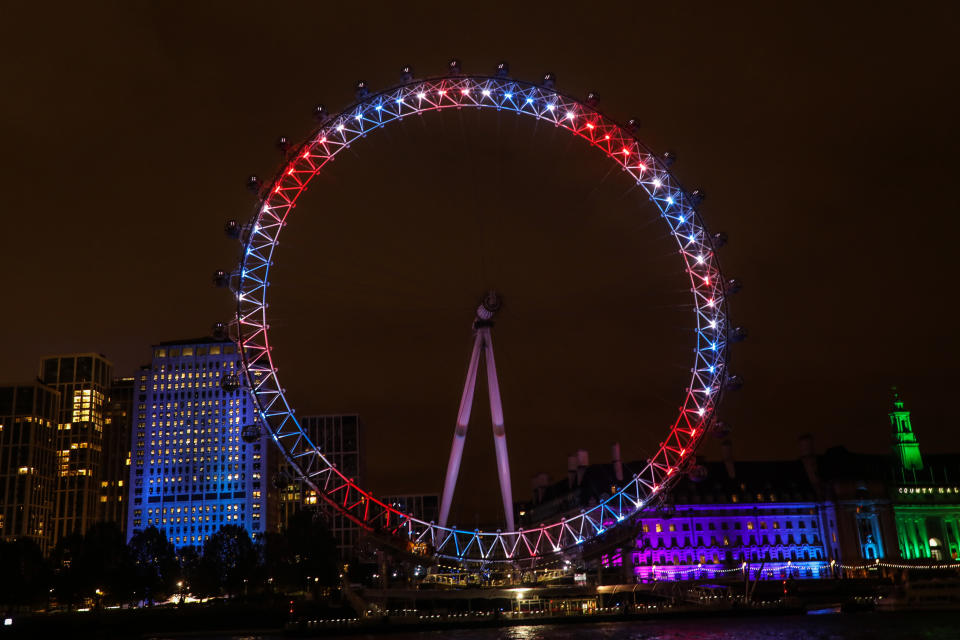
<point>866,626</point>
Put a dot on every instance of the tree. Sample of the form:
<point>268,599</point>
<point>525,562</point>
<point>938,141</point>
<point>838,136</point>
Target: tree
<point>105,564</point>
<point>26,575</point>
<point>68,584</point>
<point>304,555</point>
<point>155,567</point>
<point>199,577</point>
<point>231,556</point>
<point>96,562</point>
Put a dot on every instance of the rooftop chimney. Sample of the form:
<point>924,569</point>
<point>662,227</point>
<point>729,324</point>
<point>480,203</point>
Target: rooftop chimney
<point>539,483</point>
<point>583,461</point>
<point>617,463</point>
<point>726,450</point>
<point>809,458</point>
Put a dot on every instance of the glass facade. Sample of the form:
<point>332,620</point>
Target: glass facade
<point>28,467</point>
<point>83,381</point>
<point>115,468</point>
<point>191,470</point>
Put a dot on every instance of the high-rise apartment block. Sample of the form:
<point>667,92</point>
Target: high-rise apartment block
<point>115,467</point>
<point>83,381</point>
<point>340,439</point>
<point>28,469</point>
<point>192,470</point>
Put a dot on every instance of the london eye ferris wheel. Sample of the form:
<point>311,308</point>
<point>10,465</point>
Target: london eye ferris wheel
<point>250,282</point>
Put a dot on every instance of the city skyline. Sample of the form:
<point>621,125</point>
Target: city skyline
<point>841,281</point>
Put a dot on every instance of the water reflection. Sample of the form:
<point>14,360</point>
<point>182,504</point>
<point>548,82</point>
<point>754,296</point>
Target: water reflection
<point>871,626</point>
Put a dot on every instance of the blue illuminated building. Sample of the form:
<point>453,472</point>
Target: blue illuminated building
<point>191,471</point>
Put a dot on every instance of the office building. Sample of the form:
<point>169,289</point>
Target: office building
<point>340,438</point>
<point>83,382</point>
<point>194,468</point>
<point>28,465</point>
<point>115,466</point>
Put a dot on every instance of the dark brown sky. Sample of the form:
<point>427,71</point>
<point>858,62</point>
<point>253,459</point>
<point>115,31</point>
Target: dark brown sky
<point>825,136</point>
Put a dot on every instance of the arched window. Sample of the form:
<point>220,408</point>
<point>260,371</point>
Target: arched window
<point>936,552</point>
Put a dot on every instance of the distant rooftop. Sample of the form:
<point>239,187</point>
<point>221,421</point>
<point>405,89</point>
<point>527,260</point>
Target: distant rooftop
<point>203,340</point>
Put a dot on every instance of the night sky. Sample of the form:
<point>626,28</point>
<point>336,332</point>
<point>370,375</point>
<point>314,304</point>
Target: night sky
<point>825,137</point>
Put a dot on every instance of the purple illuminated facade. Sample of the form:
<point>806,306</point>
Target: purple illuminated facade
<point>817,516</point>
<point>766,520</point>
<point>772,540</point>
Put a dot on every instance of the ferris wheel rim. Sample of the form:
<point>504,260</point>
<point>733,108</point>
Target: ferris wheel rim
<point>274,412</point>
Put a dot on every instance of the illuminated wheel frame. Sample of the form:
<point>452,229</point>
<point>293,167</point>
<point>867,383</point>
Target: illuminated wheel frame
<point>677,208</point>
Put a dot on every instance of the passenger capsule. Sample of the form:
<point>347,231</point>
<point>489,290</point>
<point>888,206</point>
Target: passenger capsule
<point>360,90</point>
<point>738,334</point>
<point>230,382</point>
<point>719,239</point>
<point>253,184</point>
<point>734,383</point>
<point>668,158</point>
<point>221,279</point>
<point>281,480</point>
<point>593,99</point>
<point>320,113</point>
<point>454,67</point>
<point>721,430</point>
<point>733,285</point>
<point>503,69</point>
<point>250,433</point>
<point>549,80</point>
<point>406,73</point>
<point>698,473</point>
<point>232,229</point>
<point>697,197</point>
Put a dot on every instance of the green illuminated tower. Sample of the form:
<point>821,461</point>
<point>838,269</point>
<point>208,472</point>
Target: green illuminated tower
<point>904,441</point>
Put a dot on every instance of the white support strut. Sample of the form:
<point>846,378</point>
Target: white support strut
<point>460,433</point>
<point>499,433</point>
<point>482,342</point>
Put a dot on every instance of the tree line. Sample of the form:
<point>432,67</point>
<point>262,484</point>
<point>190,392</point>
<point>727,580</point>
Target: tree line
<point>99,568</point>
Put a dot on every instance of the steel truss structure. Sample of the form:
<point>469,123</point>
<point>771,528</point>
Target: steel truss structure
<point>696,246</point>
